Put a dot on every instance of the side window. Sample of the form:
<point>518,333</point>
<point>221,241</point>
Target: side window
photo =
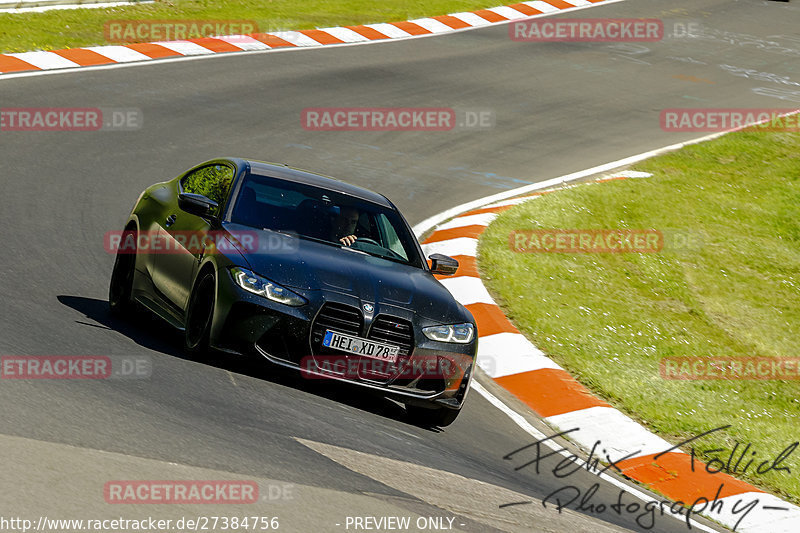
<point>213,181</point>
<point>392,240</point>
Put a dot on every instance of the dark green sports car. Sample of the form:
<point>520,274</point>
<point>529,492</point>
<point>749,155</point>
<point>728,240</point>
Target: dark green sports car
<point>303,270</point>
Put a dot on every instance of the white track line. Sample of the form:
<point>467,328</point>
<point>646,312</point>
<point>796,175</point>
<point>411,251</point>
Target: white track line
<point>431,222</point>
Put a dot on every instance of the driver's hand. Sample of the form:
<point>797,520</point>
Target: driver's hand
<point>347,241</point>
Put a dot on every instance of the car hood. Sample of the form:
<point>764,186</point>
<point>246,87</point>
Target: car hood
<point>308,265</point>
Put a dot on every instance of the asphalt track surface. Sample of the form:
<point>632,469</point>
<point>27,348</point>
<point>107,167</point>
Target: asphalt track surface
<point>559,108</point>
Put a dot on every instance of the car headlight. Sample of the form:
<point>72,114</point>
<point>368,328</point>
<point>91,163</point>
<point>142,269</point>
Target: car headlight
<point>458,333</point>
<point>252,282</point>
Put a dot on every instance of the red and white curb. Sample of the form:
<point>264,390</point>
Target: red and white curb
<point>506,356</point>
<point>92,56</point>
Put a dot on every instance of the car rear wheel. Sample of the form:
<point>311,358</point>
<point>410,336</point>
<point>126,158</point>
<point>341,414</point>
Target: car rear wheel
<point>120,291</point>
<point>199,315</point>
<point>439,416</point>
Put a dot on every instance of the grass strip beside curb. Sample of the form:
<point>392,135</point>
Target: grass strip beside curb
<point>734,291</point>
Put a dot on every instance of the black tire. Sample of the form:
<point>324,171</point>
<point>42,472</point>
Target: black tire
<point>199,315</point>
<point>439,416</point>
<point>120,290</point>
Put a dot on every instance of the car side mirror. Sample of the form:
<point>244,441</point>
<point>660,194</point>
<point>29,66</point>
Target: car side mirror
<point>197,204</point>
<point>443,264</point>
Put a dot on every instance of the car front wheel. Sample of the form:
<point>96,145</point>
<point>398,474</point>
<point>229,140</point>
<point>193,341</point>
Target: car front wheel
<point>199,315</point>
<point>120,291</point>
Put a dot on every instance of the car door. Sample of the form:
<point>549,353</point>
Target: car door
<point>184,234</point>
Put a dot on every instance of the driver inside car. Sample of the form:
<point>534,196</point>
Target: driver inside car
<point>344,226</point>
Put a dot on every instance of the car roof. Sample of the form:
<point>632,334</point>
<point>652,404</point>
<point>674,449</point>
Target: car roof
<point>318,180</point>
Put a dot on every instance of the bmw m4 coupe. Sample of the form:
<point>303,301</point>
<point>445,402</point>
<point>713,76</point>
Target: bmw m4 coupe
<point>303,270</point>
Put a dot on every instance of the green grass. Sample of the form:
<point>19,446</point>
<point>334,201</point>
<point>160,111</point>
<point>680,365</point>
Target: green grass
<point>610,318</point>
<point>54,30</point>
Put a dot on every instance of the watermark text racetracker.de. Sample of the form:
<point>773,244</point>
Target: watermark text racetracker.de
<point>718,120</point>
<point>180,492</point>
<point>730,368</point>
<point>70,119</point>
<point>586,241</point>
<point>138,31</point>
<point>196,492</point>
<point>75,367</point>
<point>198,242</point>
<point>148,523</point>
<point>395,119</point>
<point>450,367</point>
<point>587,30</point>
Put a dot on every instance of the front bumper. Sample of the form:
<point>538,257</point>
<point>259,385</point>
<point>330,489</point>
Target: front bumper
<point>427,371</point>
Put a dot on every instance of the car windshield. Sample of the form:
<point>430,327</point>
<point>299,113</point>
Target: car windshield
<point>323,215</point>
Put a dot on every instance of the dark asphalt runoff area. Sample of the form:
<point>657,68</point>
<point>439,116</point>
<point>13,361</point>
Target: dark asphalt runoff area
<point>557,107</point>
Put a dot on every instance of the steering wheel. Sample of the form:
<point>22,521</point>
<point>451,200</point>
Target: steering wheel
<point>367,240</point>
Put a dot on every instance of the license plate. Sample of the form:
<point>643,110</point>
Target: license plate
<point>359,346</point>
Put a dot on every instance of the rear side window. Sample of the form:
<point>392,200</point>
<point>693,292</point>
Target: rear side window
<point>212,181</point>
